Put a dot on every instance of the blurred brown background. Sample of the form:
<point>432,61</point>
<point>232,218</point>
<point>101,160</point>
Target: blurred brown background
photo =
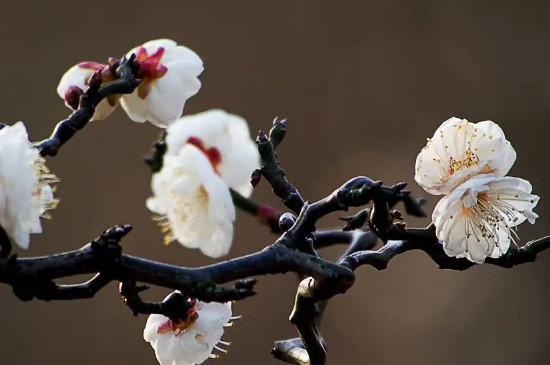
<point>363,83</point>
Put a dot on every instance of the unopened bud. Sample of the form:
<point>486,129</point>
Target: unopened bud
<point>262,138</point>
<point>286,221</point>
<point>72,96</point>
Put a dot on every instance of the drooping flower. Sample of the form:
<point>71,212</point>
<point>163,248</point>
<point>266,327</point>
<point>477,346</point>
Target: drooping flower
<point>25,191</point>
<point>459,150</point>
<point>75,82</point>
<point>476,219</point>
<point>169,77</point>
<point>194,203</point>
<point>225,139</point>
<point>168,74</point>
<point>192,340</point>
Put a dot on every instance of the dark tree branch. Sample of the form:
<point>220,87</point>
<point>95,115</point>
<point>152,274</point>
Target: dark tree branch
<point>34,277</point>
<point>303,317</point>
<point>48,290</point>
<point>28,275</point>
<point>355,192</point>
<point>331,237</point>
<point>425,240</point>
<point>155,159</point>
<point>274,174</point>
<point>5,244</point>
<point>67,128</point>
<point>176,305</point>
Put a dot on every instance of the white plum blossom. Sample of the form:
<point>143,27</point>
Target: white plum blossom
<point>75,82</point>
<point>459,150</point>
<point>190,341</point>
<point>225,139</point>
<point>476,219</point>
<point>193,202</point>
<point>169,77</point>
<point>168,74</point>
<point>25,191</point>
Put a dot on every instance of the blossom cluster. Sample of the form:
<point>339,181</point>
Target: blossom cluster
<point>168,74</point>
<point>207,154</point>
<point>467,163</point>
<point>211,153</point>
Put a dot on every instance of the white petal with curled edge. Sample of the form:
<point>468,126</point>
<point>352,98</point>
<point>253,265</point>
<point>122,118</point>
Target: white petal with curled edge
<point>168,93</point>
<point>229,134</point>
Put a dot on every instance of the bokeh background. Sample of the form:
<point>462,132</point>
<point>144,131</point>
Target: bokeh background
<point>363,83</point>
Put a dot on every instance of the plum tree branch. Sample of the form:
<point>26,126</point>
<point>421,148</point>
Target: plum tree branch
<point>426,241</point>
<point>295,250</point>
<point>286,191</point>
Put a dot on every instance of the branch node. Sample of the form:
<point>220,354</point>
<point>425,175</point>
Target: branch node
<point>107,247</point>
<point>286,221</point>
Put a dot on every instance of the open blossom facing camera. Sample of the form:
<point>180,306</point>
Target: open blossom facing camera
<point>168,74</point>
<point>169,77</point>
<point>194,203</point>
<point>25,191</point>
<point>225,139</point>
<point>459,150</point>
<point>75,82</point>
<point>189,341</point>
<point>475,220</point>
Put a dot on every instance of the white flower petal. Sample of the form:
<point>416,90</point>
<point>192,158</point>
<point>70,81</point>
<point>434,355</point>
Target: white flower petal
<point>476,219</point>
<point>136,108</point>
<point>460,150</point>
<point>153,322</point>
<point>167,92</point>
<point>214,316</point>
<point>196,202</point>
<point>25,193</point>
<point>195,344</point>
<point>166,100</point>
<point>74,76</point>
<point>479,250</point>
<point>502,243</point>
<point>229,135</point>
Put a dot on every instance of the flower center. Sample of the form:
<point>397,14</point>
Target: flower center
<point>469,160</point>
<point>108,72</point>
<point>184,209</point>
<point>489,215</point>
<point>179,325</point>
<point>150,69</point>
<point>213,154</point>
<point>43,195</point>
